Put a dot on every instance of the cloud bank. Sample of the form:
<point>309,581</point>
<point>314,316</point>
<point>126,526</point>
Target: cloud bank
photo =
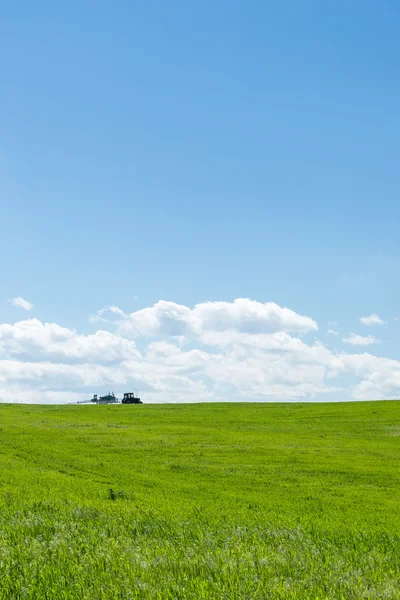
<point>215,351</point>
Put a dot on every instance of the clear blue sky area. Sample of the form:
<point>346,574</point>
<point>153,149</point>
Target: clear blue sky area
<point>192,151</point>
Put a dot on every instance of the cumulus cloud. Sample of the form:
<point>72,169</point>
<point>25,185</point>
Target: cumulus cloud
<point>240,350</point>
<point>247,316</point>
<point>242,315</point>
<point>372,320</point>
<point>332,332</point>
<point>36,340</point>
<point>380,376</point>
<point>21,303</point>
<point>359,340</point>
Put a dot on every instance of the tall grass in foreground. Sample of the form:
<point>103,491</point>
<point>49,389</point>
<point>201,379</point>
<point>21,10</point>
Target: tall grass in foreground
<point>200,502</point>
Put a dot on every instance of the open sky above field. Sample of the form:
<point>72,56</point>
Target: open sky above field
<point>174,174</point>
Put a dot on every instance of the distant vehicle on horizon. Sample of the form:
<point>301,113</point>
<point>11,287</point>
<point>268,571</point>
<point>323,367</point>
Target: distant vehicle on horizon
<point>111,398</point>
<point>130,398</point>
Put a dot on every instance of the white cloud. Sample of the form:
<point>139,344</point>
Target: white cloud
<point>332,332</point>
<point>21,303</point>
<point>34,339</point>
<point>248,316</point>
<point>359,340</point>
<point>372,320</point>
<point>241,350</point>
<point>242,315</point>
<point>380,376</point>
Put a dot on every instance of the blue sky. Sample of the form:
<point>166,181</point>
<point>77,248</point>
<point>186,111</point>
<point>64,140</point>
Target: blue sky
<point>188,152</point>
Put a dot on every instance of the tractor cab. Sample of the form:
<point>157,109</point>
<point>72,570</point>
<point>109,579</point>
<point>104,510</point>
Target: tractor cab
<point>130,398</point>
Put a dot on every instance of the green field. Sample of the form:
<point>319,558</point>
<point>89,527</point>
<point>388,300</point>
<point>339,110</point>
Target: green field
<point>221,501</point>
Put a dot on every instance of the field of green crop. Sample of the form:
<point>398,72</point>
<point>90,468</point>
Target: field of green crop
<point>211,501</point>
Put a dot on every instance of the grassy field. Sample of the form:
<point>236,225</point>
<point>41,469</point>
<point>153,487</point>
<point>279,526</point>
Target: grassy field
<point>212,501</point>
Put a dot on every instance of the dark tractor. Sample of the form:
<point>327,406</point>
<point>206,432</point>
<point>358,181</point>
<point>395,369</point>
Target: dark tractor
<point>130,398</point>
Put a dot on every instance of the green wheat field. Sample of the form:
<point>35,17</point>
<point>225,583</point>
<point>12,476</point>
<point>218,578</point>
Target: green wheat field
<point>207,501</point>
